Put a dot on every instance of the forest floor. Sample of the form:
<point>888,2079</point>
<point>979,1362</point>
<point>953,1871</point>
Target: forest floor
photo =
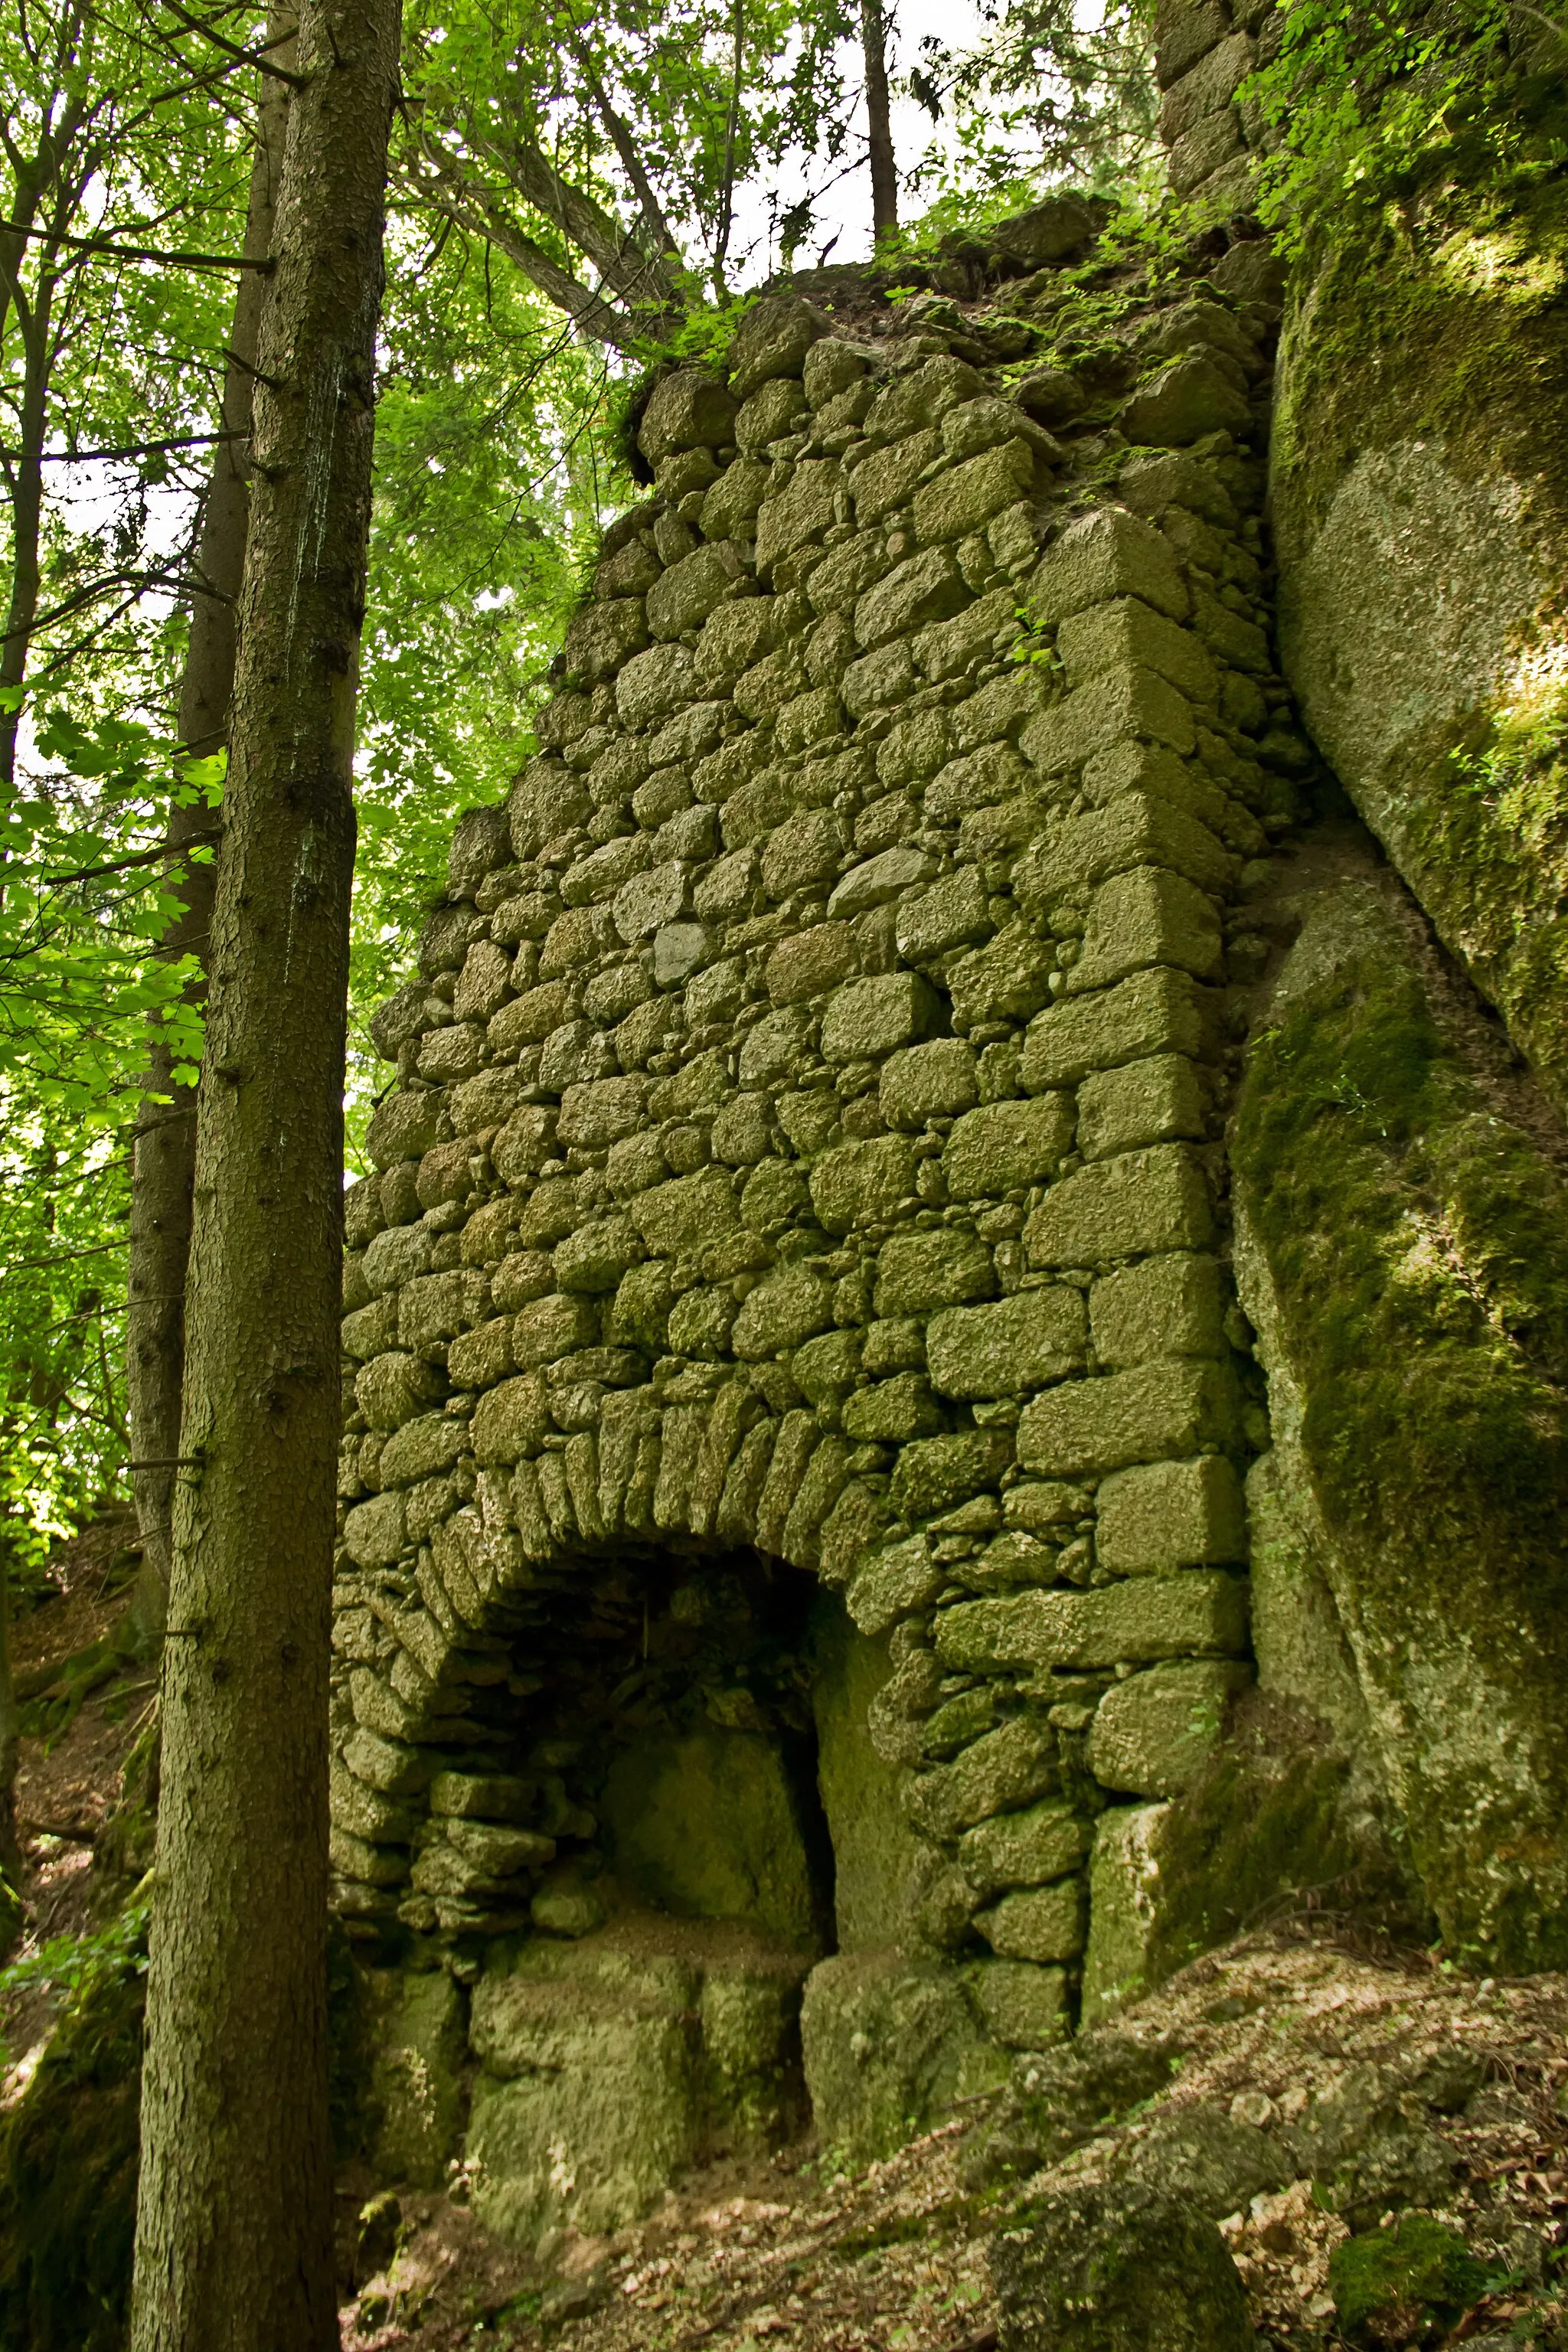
<point>896,2257</point>
<point>69,1777</point>
<point>786,2254</point>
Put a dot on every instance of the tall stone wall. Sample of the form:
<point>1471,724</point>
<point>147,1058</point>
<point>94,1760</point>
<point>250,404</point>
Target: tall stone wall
<point>805,1140</point>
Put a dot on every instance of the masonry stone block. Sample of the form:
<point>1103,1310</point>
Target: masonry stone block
<point>1006,1147</point>
<point>421,1447</point>
<point>511,1420</point>
<point>1040,1923</point>
<point>935,1473</point>
<point>373,1532</point>
<point>1147,916</point>
<point>1021,2006</point>
<point>395,1386</point>
<point>926,587</point>
<point>1124,1908</point>
<point>1154,1734</point>
<point>687,1213</point>
<point>1200,1613</point>
<point>1044,1842</point>
<point>952,913</point>
<point>800,513</point>
<point>929,1081</point>
<point>1162,1516</point>
<point>918,1273</point>
<point>1166,1306</point>
<point>879,879</point>
<point>477,1359</point>
<point>597,2110</point>
<point>804,850</point>
<point>1134,829</point>
<point>1108,555</point>
<point>1159,1100</point>
<point>1008,979</point>
<point>774,409</point>
<point>860,1183</point>
<point>1008,1767</point>
<point>890,2045</point>
<point>652,685</point>
<point>1127,701</point>
<point>1152,1413</point>
<point>552,1327</point>
<point>1011,1349</point>
<point>1139,1203</point>
<point>867,1019</point>
<point>966,498</point>
<point>888,477</point>
<point>789,1307</point>
<point>1189,398</point>
<point>1154,1013</point>
<point>1126,633</point>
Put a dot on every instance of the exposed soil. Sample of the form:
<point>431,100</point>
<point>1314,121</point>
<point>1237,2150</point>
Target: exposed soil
<point>68,1780</point>
<point>897,2257</point>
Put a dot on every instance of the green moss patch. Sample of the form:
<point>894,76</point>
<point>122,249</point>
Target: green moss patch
<point>1387,2283</point>
<point>1417,1245</point>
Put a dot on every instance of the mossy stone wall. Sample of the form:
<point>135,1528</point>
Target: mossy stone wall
<point>804,1149</point>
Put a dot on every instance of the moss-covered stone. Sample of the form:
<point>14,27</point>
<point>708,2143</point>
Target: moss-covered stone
<point>413,2034</point>
<point>1408,1242</point>
<point>1403,2278</point>
<point>890,2044</point>
<point>1118,2269</point>
<point>709,1826</point>
<point>1421,498</point>
<point>876,1854</point>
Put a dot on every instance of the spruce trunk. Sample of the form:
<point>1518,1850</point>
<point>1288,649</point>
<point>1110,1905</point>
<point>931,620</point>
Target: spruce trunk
<point>164,1152</point>
<point>234,2242</point>
<point>879,124</point>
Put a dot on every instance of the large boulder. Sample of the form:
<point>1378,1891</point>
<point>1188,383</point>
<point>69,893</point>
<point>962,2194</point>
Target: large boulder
<point>1123,2269</point>
<point>1420,499</point>
<point>1402,1252</point>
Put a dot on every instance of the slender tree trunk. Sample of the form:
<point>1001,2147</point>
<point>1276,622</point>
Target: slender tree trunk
<point>732,124</point>
<point>163,1165</point>
<point>27,513</point>
<point>884,169</point>
<point>234,2250</point>
<point>10,1757</point>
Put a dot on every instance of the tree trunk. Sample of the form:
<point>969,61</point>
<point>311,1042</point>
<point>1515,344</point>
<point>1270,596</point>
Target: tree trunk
<point>234,2244</point>
<point>884,169</point>
<point>10,1756</point>
<point>164,1152</point>
<point>27,513</point>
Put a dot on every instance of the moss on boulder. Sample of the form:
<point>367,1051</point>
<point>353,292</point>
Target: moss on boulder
<point>1420,490</point>
<point>1404,1253</point>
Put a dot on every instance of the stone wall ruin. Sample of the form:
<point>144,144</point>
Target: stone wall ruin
<point>805,1152</point>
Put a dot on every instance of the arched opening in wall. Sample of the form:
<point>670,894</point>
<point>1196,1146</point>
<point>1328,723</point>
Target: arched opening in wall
<point>662,1735</point>
<point>654,1812</point>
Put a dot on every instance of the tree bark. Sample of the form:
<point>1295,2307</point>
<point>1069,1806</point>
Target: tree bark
<point>884,167</point>
<point>234,2242</point>
<point>164,1145</point>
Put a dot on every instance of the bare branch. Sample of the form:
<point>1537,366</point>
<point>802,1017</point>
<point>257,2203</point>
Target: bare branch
<point>140,252</point>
